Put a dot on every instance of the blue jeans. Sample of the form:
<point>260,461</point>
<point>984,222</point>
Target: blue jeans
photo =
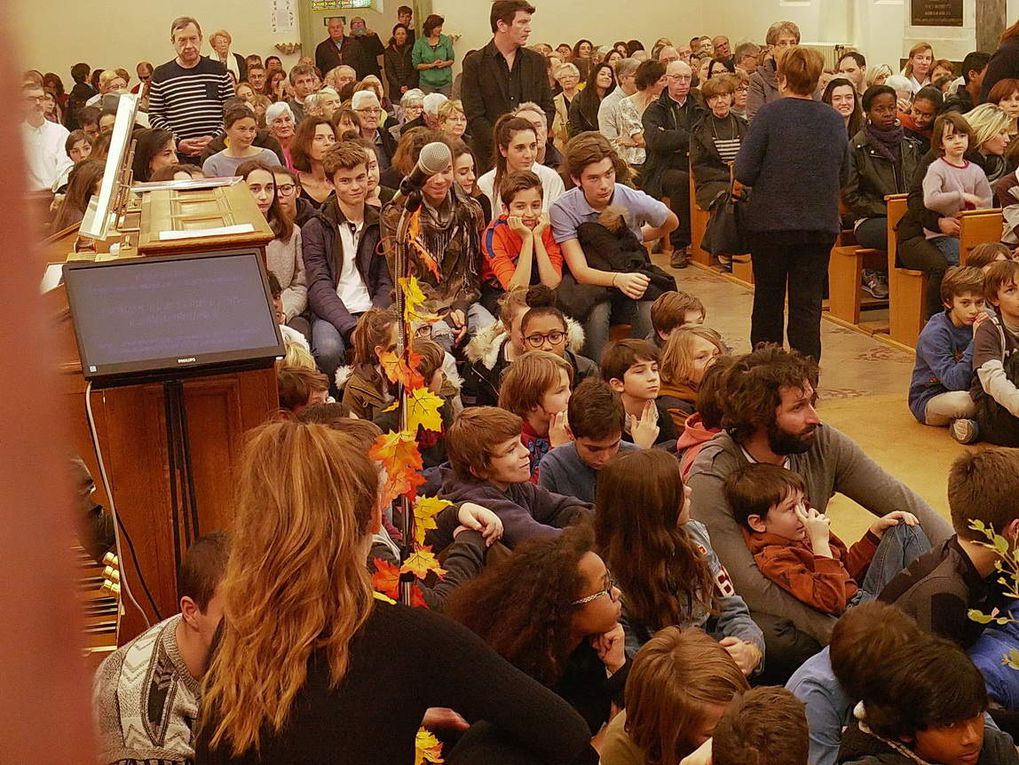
<point>328,347</point>
<point>478,318</point>
<point>899,547</point>
<point>618,310</point>
<point>873,233</point>
<point>949,247</point>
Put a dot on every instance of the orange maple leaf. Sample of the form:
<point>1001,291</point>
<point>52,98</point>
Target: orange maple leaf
<point>398,453</point>
<point>427,748</point>
<point>386,578</point>
<point>403,369</point>
<point>421,562</point>
<point>414,230</point>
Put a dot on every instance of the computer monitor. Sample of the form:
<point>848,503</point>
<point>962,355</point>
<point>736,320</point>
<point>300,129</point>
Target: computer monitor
<point>141,319</point>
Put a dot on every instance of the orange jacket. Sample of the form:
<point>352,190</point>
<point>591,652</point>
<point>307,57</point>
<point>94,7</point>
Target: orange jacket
<point>502,248</point>
<point>827,584</point>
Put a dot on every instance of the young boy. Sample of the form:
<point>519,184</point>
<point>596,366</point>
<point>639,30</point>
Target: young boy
<point>299,387</point>
<point>519,249</point>
<point>596,417</point>
<point>995,343</point>
<point>630,367</point>
<point>290,335</point>
<point>671,310</point>
<point>536,388</point>
<point>345,276</point>
<point>832,681</point>
<point>926,706</point>
<point>793,546</point>
<point>943,372</point>
<point>939,588</point>
<point>764,726</point>
<point>491,467</point>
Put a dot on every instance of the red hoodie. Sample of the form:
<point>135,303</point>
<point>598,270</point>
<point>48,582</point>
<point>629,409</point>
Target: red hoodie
<point>689,445</point>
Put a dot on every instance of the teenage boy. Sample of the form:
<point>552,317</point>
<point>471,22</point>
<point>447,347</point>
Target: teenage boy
<point>345,275</point>
<point>995,343</point>
<point>831,682</point>
<point>518,246</point>
<point>671,310</point>
<point>492,467</point>
<point>943,372</point>
<point>596,417</point>
<point>146,693</point>
<point>793,544</point>
<point>536,388</point>
<point>940,588</point>
<point>630,367</point>
<point>591,163</point>
<point>763,725</point>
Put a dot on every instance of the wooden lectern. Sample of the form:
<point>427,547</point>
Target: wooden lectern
<point>131,420</point>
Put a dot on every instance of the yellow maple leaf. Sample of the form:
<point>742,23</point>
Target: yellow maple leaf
<point>420,562</point>
<point>413,300</point>
<point>424,408</point>
<point>425,510</point>
<point>427,748</point>
<point>399,454</point>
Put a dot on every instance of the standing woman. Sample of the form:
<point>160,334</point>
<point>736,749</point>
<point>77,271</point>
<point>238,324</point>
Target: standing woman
<point>310,665</point>
<point>840,95</point>
<point>650,81</point>
<point>220,41</point>
<point>918,65</point>
<point>584,109</point>
<point>582,57</point>
<point>433,57</point>
<point>279,119</point>
<point>400,70</point>
<point>241,129</point>
<point>311,142</point>
<point>795,157</point>
<point>568,77</point>
<point>283,254</point>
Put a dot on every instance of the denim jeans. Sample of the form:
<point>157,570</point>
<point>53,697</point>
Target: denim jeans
<point>949,247</point>
<point>478,318</point>
<point>899,547</point>
<point>328,347</point>
<point>619,309</point>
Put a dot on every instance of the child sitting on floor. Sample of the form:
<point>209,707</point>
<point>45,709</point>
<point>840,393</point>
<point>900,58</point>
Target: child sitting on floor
<point>536,388</point>
<point>490,465</point>
<point>671,310</point>
<point>689,353</point>
<point>953,183</point>
<point>943,371</point>
<point>630,367</point>
<point>995,388</point>
<point>706,422</point>
<point>793,546</point>
<point>983,255</point>
<point>366,389</point>
<point>300,387</point>
<point>764,726</point>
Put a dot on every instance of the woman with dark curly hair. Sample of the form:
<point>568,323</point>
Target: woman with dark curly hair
<point>552,610</point>
<point>663,560</point>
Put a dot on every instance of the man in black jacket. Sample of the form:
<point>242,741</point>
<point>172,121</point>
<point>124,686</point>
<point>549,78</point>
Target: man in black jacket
<point>668,124</point>
<point>503,75</point>
<point>332,51</point>
<point>974,67</point>
<point>345,276</point>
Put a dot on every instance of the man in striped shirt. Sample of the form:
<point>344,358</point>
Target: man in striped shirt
<point>186,95</point>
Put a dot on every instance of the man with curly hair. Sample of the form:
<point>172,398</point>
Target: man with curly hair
<point>769,416</point>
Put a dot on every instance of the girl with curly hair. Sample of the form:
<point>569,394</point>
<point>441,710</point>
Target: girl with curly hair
<point>552,610</point>
<point>663,560</point>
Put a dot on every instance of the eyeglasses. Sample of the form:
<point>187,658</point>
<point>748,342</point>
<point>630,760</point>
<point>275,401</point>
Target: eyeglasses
<point>424,331</point>
<point>286,189</point>
<point>609,590</point>
<point>372,110</point>
<point>537,340</point>
<point>679,77</point>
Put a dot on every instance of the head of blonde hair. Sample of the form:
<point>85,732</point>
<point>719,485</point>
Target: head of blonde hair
<point>676,364</point>
<point>296,582</point>
<point>986,121</point>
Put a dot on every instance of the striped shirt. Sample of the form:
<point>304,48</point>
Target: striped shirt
<point>727,148</point>
<point>189,102</point>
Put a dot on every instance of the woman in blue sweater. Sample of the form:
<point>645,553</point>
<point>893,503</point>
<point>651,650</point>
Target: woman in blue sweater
<point>796,158</point>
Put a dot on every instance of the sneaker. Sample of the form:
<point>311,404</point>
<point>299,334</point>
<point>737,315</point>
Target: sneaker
<point>964,431</point>
<point>680,257</point>
<point>874,285</point>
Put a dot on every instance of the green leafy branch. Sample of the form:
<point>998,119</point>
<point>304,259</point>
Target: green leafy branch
<point>1007,566</point>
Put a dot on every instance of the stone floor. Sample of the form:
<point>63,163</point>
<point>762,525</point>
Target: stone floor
<point>862,391</point>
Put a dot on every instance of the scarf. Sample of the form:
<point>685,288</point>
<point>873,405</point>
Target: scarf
<point>887,142</point>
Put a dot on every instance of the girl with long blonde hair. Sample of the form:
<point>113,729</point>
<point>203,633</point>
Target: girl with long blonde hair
<point>312,666</point>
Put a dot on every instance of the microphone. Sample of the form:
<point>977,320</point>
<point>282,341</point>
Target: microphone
<point>434,158</point>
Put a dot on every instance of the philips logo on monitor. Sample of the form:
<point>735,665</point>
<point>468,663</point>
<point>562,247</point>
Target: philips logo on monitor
<point>188,360</point>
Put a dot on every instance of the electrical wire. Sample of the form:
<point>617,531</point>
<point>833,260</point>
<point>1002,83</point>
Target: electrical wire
<point>118,526</point>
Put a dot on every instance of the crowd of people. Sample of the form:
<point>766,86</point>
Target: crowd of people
<point>637,551</point>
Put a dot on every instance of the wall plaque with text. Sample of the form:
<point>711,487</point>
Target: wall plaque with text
<point>936,13</point>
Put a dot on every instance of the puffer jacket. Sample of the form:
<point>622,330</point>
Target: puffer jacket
<point>872,175</point>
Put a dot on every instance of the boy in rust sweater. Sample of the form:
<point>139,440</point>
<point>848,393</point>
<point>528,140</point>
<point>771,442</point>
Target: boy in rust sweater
<point>793,546</point>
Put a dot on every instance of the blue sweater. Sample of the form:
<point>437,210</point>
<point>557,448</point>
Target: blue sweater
<point>944,362</point>
<point>796,158</point>
<point>563,472</point>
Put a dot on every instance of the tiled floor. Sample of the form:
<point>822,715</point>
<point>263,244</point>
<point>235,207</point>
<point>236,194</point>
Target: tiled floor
<point>862,391</point>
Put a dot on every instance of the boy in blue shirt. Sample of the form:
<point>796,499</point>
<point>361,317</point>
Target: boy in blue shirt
<point>939,391</point>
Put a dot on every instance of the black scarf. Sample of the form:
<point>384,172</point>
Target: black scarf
<point>887,142</point>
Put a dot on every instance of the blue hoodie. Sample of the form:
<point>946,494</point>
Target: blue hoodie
<point>944,362</point>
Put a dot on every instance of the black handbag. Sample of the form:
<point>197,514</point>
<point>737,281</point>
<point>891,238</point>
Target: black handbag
<point>725,233</point>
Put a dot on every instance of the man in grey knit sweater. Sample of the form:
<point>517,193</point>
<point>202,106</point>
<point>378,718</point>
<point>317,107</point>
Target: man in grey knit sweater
<point>769,416</point>
<point>146,693</point>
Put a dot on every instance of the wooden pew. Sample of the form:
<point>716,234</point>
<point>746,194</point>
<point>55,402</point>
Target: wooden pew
<point>906,287</point>
<point>978,227</point>
<point>845,273</point>
<point>698,223</point>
